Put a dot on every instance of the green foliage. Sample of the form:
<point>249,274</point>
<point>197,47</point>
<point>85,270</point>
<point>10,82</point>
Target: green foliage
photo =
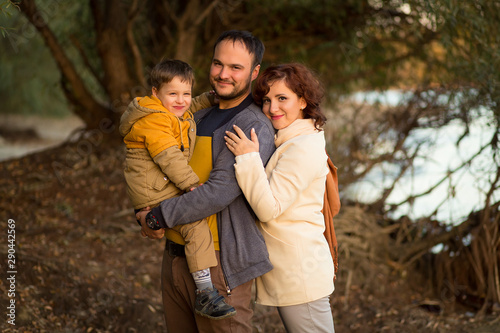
<point>6,8</point>
<point>29,78</point>
<point>32,85</point>
<point>352,44</point>
<point>473,44</point>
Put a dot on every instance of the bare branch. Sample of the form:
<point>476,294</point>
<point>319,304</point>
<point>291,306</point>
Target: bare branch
<point>413,197</point>
<point>170,12</point>
<point>138,63</point>
<point>422,246</point>
<point>111,47</point>
<point>98,15</point>
<point>79,93</point>
<point>489,195</point>
<point>206,12</point>
<point>408,162</point>
<point>85,59</point>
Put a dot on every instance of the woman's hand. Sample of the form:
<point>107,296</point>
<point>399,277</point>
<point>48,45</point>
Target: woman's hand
<point>239,144</point>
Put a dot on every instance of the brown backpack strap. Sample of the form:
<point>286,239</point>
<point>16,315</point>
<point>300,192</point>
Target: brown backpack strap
<point>331,207</point>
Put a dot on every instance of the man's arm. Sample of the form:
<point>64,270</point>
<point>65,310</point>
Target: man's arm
<point>220,189</point>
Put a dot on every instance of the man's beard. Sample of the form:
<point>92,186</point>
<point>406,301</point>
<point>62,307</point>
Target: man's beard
<point>234,93</point>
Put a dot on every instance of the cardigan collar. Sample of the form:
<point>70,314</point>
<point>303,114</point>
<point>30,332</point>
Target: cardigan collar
<point>297,128</point>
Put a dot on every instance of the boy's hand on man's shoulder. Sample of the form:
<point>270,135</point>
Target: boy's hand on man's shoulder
<point>214,96</point>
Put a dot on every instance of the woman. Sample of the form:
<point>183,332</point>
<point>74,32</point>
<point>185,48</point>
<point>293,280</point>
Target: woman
<point>287,197</point>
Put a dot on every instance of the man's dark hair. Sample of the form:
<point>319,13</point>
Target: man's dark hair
<point>167,69</point>
<point>254,45</point>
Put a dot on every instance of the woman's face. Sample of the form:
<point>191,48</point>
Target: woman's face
<point>282,106</point>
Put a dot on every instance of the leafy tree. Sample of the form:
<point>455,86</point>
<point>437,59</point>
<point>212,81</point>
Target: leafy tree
<point>5,7</point>
<point>355,44</point>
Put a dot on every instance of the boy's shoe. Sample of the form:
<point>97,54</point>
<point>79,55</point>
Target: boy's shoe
<point>212,305</point>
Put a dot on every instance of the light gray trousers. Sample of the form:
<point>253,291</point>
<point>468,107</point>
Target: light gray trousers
<point>312,317</point>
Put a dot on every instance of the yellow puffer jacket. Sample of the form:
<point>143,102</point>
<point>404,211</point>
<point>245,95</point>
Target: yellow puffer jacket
<point>159,147</point>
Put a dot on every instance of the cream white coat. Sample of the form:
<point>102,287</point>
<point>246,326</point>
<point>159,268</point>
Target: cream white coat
<point>287,197</point>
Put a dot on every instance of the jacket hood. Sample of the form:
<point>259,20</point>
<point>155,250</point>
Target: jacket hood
<point>137,109</point>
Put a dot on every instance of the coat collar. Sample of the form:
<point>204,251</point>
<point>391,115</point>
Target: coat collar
<point>297,128</point>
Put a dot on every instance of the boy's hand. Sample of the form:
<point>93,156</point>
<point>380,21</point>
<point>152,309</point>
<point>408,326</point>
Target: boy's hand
<point>145,230</point>
<point>139,214</point>
<point>192,188</point>
<point>216,98</point>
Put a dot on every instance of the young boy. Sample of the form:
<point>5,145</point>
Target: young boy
<point>159,132</point>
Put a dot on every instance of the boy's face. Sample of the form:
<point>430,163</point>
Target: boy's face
<point>175,96</point>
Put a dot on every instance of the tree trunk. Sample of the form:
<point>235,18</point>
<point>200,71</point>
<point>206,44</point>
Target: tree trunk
<point>110,24</point>
<point>188,26</point>
<point>186,44</point>
<point>85,105</point>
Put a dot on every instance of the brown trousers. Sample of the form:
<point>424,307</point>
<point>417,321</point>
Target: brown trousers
<point>178,292</point>
<point>199,246</point>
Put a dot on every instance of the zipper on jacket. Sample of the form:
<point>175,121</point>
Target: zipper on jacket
<point>219,219</point>
<point>226,284</point>
<point>180,131</point>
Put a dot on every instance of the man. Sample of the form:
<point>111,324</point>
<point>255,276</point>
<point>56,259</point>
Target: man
<point>241,251</point>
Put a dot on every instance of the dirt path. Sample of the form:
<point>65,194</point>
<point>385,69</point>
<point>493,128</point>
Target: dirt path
<point>82,266</point>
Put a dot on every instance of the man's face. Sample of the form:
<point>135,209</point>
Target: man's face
<point>231,72</point>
